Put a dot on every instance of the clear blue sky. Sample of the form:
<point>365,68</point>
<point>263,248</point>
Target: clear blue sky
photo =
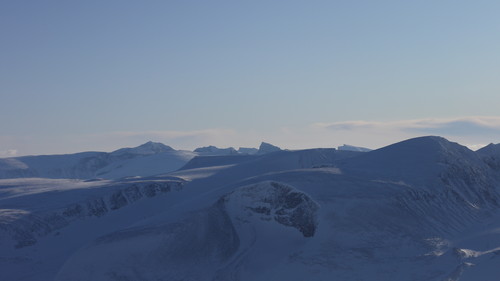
<point>75,75</point>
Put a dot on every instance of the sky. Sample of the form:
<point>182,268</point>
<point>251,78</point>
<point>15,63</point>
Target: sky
<point>100,75</point>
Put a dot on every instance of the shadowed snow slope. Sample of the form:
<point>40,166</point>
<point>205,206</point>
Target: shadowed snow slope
<point>491,156</point>
<point>424,209</point>
<point>206,245</point>
<point>431,163</point>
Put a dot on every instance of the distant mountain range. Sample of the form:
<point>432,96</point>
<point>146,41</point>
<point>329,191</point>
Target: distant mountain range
<point>424,209</point>
<point>149,159</point>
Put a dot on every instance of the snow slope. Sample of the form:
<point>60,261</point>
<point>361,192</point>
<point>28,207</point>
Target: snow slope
<point>212,150</point>
<point>490,154</point>
<point>247,150</point>
<point>205,240</point>
<point>353,148</point>
<point>421,209</point>
<point>145,160</point>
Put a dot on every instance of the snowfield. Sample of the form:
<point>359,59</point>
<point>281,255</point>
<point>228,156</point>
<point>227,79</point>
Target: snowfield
<point>421,209</point>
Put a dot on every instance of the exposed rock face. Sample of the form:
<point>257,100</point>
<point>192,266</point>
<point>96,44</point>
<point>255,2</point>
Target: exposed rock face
<point>274,201</point>
<point>191,249</point>
<point>209,244</point>
<point>424,209</point>
<point>267,148</point>
<point>24,228</point>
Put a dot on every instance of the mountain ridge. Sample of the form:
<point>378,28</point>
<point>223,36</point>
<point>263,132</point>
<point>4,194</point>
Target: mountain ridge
<point>147,159</point>
<point>419,210</point>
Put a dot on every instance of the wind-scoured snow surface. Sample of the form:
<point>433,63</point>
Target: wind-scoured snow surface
<point>421,209</point>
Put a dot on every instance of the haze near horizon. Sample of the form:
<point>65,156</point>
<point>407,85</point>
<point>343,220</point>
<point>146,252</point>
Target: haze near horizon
<point>104,75</point>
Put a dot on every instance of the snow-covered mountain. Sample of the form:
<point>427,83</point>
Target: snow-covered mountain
<point>213,150</point>
<point>353,148</point>
<point>491,155</point>
<point>145,160</point>
<point>421,209</point>
<point>267,148</point>
<point>145,149</point>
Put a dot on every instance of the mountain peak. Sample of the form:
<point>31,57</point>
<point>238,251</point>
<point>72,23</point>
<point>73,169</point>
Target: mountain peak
<point>489,149</point>
<point>155,146</point>
<point>418,148</point>
<point>490,154</point>
<point>147,148</point>
<point>267,148</point>
<point>347,147</point>
<point>213,150</point>
<point>247,150</point>
<point>415,159</point>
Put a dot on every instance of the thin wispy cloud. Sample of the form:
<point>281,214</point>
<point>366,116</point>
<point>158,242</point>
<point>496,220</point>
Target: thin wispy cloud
<point>473,131</point>
<point>457,126</point>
